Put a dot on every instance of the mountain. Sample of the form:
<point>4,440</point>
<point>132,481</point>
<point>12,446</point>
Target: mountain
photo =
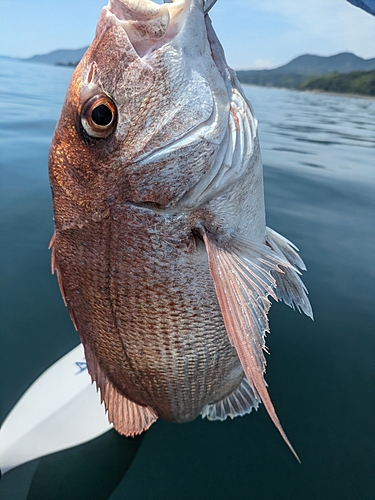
<point>299,69</point>
<point>61,57</point>
<point>318,65</point>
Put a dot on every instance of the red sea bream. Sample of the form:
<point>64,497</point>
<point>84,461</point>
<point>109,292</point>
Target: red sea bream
<point>161,247</point>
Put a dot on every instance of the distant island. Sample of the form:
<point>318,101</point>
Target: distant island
<point>345,72</point>
<point>68,65</point>
<point>63,57</point>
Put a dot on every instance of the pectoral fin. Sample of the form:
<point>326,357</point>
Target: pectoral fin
<point>243,277</point>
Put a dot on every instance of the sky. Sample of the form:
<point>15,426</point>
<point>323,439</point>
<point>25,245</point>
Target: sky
<point>256,34</point>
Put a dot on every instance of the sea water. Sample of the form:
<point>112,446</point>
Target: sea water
<point>319,165</point>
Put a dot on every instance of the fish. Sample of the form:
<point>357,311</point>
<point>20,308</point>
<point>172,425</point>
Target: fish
<point>161,248</point>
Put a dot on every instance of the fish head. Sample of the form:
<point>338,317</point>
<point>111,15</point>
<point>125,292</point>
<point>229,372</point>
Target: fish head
<point>145,111</point>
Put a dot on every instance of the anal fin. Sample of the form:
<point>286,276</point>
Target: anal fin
<point>240,402</point>
<point>127,417</point>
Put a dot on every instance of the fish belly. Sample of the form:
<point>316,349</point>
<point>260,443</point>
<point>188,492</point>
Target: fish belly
<point>139,289</point>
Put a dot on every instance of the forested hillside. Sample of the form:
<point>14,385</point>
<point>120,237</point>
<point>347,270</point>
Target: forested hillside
<point>357,82</point>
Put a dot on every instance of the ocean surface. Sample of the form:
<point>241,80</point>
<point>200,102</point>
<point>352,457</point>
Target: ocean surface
<point>319,167</point>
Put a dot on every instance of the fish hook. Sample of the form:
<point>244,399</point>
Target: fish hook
<point>207,5</point>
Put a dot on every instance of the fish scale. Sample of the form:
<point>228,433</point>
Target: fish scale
<point>160,308</point>
<point>154,310</point>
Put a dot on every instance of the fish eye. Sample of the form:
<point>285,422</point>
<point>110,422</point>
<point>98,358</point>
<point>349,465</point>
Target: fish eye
<point>99,116</point>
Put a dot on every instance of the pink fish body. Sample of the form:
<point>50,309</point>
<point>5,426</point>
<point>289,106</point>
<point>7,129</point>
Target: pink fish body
<point>161,247</point>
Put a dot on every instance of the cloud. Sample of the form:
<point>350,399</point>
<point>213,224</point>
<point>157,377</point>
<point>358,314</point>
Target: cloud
<point>276,31</point>
<point>334,22</point>
<point>262,64</point>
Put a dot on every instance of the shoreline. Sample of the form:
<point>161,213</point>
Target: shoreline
<point>315,91</point>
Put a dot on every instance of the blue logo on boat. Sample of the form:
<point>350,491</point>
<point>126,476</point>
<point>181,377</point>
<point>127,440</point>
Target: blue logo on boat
<point>82,366</point>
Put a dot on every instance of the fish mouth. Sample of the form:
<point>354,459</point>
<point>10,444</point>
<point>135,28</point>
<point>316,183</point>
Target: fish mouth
<point>148,25</point>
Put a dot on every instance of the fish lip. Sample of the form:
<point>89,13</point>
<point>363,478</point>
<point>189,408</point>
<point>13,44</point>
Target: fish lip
<point>139,10</point>
<point>147,24</point>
